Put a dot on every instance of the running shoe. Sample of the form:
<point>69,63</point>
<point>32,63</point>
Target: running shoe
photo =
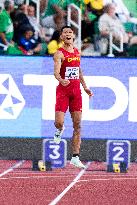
<point>77,163</point>
<point>58,134</point>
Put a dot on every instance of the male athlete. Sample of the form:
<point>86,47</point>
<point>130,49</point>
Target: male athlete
<point>68,94</point>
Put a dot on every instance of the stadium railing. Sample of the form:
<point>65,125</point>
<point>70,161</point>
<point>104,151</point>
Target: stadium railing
<point>72,22</point>
<point>114,46</point>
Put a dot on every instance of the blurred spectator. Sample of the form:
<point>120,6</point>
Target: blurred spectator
<point>122,11</point>
<point>109,22</point>
<point>92,12</point>
<point>19,17</point>
<point>28,44</point>
<point>55,14</point>
<point>39,30</point>
<point>1,6</point>
<point>19,2</point>
<point>54,43</point>
<point>6,25</point>
<point>48,34</point>
<point>43,5</point>
<point>96,6</point>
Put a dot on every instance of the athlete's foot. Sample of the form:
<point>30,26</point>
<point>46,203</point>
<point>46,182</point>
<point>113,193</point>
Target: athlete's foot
<point>58,134</point>
<point>77,163</point>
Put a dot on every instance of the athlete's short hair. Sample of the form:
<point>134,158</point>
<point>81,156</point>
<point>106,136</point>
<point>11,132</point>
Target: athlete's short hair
<point>66,27</point>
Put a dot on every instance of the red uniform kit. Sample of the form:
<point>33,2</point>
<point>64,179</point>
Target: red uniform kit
<point>70,95</point>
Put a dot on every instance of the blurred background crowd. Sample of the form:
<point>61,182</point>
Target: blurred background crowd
<point>102,27</point>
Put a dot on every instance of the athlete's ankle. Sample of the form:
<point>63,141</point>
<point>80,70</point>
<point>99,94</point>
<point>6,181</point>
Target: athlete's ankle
<point>59,127</point>
<point>75,155</point>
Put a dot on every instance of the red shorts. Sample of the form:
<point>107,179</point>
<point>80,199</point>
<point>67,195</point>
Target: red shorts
<point>69,96</point>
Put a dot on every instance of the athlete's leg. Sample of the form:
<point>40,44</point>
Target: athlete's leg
<point>75,107</point>
<point>59,119</point>
<point>59,124</point>
<point>76,139</point>
<point>60,109</point>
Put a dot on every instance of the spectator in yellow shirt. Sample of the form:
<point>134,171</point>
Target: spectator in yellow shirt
<point>96,4</point>
<point>55,43</point>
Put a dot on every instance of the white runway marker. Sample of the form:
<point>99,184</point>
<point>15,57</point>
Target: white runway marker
<point>37,177</point>
<point>111,179</point>
<point>12,168</point>
<point>58,198</point>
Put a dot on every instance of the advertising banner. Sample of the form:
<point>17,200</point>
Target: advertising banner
<point>27,98</point>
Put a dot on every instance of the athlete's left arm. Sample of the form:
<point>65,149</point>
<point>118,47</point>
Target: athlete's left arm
<point>82,81</point>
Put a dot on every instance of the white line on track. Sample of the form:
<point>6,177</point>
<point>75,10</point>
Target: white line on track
<point>47,173</point>
<point>36,177</point>
<point>12,168</point>
<point>110,175</point>
<point>65,177</point>
<point>59,197</point>
<point>111,179</point>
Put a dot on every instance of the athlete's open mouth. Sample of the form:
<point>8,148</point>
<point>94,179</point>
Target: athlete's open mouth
<point>68,38</point>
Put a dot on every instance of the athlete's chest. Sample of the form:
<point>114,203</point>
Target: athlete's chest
<point>71,65</point>
<point>72,58</point>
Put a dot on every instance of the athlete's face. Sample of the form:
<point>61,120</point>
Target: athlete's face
<point>67,36</point>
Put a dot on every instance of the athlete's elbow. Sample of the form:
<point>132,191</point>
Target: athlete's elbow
<point>55,74</point>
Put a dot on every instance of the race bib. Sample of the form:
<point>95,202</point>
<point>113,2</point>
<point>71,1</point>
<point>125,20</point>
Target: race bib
<point>72,73</point>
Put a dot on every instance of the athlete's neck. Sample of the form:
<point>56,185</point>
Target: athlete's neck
<point>69,47</point>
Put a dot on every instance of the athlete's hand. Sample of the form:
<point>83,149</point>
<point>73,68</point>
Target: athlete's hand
<point>65,82</point>
<point>89,92</point>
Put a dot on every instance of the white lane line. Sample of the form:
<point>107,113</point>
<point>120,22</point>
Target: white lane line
<point>58,198</point>
<point>117,179</point>
<point>67,178</point>
<point>36,177</point>
<point>12,168</point>
<point>39,172</point>
<point>110,175</point>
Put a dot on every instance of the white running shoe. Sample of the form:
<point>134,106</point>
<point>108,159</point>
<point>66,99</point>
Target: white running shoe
<point>58,134</point>
<point>77,163</point>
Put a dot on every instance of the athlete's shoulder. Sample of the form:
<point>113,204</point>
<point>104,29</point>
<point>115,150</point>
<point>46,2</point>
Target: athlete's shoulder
<point>58,54</point>
<point>63,50</point>
<point>60,49</point>
<point>77,51</point>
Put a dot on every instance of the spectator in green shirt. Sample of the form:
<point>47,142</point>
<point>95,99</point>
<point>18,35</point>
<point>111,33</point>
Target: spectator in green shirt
<point>6,25</point>
<point>55,13</point>
<point>80,4</point>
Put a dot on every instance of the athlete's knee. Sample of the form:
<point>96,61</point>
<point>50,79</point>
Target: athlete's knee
<point>77,126</point>
<point>77,132</point>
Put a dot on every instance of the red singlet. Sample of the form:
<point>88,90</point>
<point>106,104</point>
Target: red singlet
<point>70,95</point>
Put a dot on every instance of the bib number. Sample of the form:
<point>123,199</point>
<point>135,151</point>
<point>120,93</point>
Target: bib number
<point>72,73</point>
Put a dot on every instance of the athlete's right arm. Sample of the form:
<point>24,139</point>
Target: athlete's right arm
<point>58,57</point>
